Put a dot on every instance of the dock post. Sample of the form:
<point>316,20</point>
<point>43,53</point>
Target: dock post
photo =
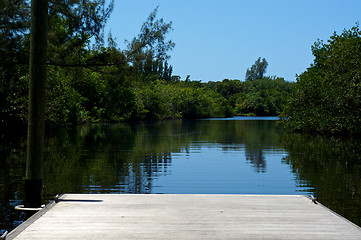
<point>36,116</point>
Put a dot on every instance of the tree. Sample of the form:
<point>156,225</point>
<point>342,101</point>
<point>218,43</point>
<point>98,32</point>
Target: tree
<point>14,30</point>
<point>257,70</point>
<point>14,25</point>
<point>71,26</point>
<point>327,96</point>
<point>264,97</point>
<point>149,50</point>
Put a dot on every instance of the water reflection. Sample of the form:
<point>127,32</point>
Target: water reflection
<point>255,157</point>
<point>210,157</point>
<point>204,156</point>
<point>120,158</point>
<point>332,166</point>
<point>12,168</point>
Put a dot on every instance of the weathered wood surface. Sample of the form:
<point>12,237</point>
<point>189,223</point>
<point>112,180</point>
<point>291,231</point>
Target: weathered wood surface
<point>89,216</point>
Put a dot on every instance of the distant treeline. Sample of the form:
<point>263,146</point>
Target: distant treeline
<point>101,83</point>
<point>90,81</point>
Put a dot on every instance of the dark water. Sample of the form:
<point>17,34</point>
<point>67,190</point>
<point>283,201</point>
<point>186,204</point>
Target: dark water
<point>220,156</point>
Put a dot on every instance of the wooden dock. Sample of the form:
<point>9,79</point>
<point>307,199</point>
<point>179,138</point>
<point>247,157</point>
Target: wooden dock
<point>163,216</point>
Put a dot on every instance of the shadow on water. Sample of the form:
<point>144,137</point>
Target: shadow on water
<point>201,156</point>
<point>12,169</point>
<point>333,168</point>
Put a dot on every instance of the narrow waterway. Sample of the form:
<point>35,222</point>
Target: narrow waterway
<point>218,156</point>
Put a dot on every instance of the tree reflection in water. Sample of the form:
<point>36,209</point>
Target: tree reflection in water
<point>132,157</point>
<point>254,156</point>
<point>332,166</point>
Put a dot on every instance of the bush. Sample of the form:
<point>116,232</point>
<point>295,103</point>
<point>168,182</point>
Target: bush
<point>327,97</point>
<point>63,105</point>
<point>163,101</point>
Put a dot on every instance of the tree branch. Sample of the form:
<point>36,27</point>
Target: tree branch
<point>67,65</point>
<point>86,65</point>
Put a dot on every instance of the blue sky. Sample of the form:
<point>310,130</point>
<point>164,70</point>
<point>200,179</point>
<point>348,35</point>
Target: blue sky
<point>218,39</point>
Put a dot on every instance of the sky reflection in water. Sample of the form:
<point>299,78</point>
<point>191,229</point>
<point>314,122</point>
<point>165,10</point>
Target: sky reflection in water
<point>223,156</point>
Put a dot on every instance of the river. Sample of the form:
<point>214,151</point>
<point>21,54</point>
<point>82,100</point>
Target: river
<point>211,156</point>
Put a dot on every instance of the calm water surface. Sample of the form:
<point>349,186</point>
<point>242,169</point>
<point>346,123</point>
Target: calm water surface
<point>217,156</point>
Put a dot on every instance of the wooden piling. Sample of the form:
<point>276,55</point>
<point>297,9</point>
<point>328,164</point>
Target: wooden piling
<point>36,116</point>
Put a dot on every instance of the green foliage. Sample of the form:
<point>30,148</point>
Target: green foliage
<point>151,40</point>
<point>13,93</point>
<point>264,97</point>
<point>64,105</point>
<point>163,101</point>
<point>14,24</point>
<point>257,70</point>
<point>202,103</point>
<point>98,83</point>
<point>327,97</point>
<point>260,97</point>
<point>148,51</point>
<point>72,24</point>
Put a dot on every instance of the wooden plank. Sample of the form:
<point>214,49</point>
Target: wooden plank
<point>88,216</point>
